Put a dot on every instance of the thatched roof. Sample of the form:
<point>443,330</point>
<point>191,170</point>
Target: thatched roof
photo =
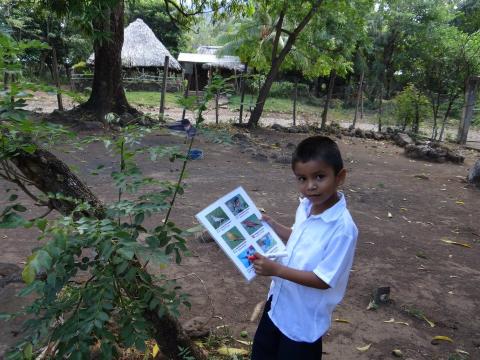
<point>207,55</point>
<point>141,48</point>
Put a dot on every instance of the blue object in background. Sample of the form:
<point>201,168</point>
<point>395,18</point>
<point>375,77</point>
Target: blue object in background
<point>195,154</point>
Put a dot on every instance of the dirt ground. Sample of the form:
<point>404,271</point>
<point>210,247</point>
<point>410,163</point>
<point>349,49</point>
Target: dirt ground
<point>402,218</point>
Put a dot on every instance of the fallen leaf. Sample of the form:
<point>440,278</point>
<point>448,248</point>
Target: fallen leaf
<point>456,243</point>
<point>228,351</point>
<point>342,321</point>
<point>155,351</point>
<point>389,214</point>
<point>376,217</point>
<point>402,323</point>
<point>431,323</point>
<point>462,352</point>
<point>352,190</point>
<point>397,352</point>
<point>369,242</point>
<point>436,339</point>
<point>244,342</point>
<point>364,348</point>
<point>256,311</point>
<point>459,202</point>
<point>262,210</point>
<point>421,176</point>
<point>372,305</point>
<point>390,321</point>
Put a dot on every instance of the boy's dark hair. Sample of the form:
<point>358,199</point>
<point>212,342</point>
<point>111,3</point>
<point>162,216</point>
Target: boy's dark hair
<point>318,148</point>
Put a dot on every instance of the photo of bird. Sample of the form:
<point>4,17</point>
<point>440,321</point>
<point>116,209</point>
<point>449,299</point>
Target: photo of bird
<point>237,204</point>
<point>252,224</point>
<point>218,220</point>
<point>233,238</point>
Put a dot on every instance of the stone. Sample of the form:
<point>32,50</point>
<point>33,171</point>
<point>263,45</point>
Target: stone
<point>278,127</point>
<point>474,174</point>
<point>434,152</point>
<point>241,137</point>
<point>402,139</point>
<point>359,133</point>
<point>291,146</point>
<point>378,136</point>
<point>260,156</point>
<point>196,327</point>
<point>283,159</point>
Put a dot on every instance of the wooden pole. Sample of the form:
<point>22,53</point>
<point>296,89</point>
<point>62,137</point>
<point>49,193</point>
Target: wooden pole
<point>164,88</point>
<point>295,95</point>
<point>56,78</point>
<point>359,95</point>
<point>361,105</point>
<point>242,96</point>
<point>380,110</point>
<point>195,71</point>
<point>185,94</point>
<point>467,114</point>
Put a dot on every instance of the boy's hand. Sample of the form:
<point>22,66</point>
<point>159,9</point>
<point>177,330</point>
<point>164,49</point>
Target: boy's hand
<point>264,266</point>
<point>268,220</point>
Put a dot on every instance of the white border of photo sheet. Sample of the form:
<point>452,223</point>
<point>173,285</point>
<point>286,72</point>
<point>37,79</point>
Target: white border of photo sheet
<point>234,222</point>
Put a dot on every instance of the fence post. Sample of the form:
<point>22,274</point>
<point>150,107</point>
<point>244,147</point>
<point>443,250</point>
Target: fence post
<point>164,88</point>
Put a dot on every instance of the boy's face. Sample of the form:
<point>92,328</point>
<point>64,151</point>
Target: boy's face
<point>317,181</point>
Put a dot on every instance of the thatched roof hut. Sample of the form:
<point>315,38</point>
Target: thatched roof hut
<point>142,49</point>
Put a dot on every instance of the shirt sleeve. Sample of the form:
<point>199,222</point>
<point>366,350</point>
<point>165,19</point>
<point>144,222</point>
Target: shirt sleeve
<point>338,256</point>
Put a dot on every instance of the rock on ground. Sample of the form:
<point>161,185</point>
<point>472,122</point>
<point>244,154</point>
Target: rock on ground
<point>474,174</point>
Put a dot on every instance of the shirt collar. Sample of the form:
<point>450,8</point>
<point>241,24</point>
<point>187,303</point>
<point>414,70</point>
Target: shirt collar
<point>331,214</point>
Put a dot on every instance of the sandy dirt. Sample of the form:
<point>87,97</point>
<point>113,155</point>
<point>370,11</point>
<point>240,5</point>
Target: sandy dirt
<point>403,251</point>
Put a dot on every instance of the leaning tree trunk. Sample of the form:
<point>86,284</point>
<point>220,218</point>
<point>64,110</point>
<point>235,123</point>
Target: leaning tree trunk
<point>50,175</point>
<point>331,84</point>
<point>108,94</point>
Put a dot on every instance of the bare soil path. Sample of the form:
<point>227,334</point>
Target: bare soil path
<point>404,251</point>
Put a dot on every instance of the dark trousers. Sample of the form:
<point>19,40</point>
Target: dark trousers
<point>270,344</point>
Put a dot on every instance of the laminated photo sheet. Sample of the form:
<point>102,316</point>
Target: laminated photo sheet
<point>234,222</point>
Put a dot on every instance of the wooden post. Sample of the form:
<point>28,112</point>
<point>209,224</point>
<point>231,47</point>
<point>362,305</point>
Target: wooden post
<point>164,88</point>
<point>242,96</point>
<point>359,95</point>
<point>361,105</point>
<point>195,71</point>
<point>185,94</point>
<point>295,95</point>
<point>380,110</point>
<point>56,78</point>
<point>467,114</point>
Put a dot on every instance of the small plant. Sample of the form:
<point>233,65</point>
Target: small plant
<point>412,108</point>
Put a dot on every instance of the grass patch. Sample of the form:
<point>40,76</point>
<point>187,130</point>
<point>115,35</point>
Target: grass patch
<point>151,98</point>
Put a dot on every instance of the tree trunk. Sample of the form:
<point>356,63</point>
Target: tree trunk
<point>445,117</point>
<point>380,110</point>
<point>56,78</point>
<point>435,106</point>
<point>359,96</point>
<point>108,94</point>
<point>331,84</point>
<point>164,88</point>
<point>242,96</point>
<point>51,175</point>
<point>185,94</point>
<point>295,95</point>
<point>277,62</point>
<point>467,114</point>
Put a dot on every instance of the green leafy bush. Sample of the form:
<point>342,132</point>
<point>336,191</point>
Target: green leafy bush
<point>412,108</point>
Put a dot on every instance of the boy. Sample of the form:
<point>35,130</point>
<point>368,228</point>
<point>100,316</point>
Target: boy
<point>311,280</point>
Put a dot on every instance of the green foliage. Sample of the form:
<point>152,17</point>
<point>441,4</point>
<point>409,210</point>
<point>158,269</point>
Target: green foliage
<point>412,107</point>
<point>91,287</point>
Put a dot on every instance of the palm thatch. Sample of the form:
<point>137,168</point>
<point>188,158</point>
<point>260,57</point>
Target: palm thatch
<point>141,48</point>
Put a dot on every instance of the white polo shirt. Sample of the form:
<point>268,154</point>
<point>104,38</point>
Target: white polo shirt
<point>324,244</point>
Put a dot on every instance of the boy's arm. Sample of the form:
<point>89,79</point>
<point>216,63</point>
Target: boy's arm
<point>282,231</point>
<point>266,267</point>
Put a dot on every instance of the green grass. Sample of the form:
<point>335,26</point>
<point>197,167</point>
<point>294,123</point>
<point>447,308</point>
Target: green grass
<point>151,98</point>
